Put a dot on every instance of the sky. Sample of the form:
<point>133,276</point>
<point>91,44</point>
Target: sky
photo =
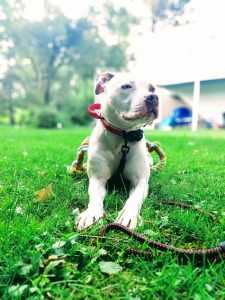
<point>172,54</point>
<point>75,8</point>
<point>194,51</point>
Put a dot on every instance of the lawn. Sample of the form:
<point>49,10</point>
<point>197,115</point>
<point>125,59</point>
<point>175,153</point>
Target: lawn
<point>34,264</point>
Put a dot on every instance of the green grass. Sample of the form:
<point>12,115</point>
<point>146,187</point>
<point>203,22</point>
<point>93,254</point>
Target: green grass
<point>31,159</point>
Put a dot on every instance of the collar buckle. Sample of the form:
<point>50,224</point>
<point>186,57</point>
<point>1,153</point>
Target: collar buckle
<point>125,149</point>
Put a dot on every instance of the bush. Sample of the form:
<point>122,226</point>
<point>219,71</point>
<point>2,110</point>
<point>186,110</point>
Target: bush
<point>47,118</point>
<point>79,118</point>
<point>79,114</point>
<point>25,117</point>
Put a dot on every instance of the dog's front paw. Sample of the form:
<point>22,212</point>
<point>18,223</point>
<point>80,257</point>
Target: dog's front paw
<point>128,218</point>
<point>88,217</point>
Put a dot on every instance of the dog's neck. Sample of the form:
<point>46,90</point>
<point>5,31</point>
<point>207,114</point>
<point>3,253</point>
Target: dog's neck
<point>112,118</point>
<point>133,134</point>
<point>128,136</point>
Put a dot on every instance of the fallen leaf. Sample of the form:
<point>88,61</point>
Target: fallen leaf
<point>88,279</point>
<point>17,290</point>
<point>42,174</point>
<point>45,194</point>
<point>54,264</point>
<point>52,258</point>
<point>58,244</point>
<point>209,287</point>
<point>150,232</point>
<point>109,267</point>
<point>102,252</point>
<point>173,181</point>
<point>25,270</point>
<point>195,151</point>
<point>164,220</point>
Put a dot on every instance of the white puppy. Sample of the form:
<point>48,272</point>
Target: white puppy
<point>127,104</point>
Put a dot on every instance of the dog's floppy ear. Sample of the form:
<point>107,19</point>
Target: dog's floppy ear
<point>104,77</point>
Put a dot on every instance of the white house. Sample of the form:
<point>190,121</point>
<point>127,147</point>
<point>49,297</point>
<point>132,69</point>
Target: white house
<point>177,57</point>
<point>212,98</point>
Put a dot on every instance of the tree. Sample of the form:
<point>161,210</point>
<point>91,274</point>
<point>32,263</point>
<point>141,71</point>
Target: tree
<point>167,11</point>
<point>10,93</point>
<point>51,54</point>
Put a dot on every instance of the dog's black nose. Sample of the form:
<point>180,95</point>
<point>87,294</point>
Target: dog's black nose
<point>152,100</point>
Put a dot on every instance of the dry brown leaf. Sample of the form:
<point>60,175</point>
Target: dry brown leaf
<point>195,151</point>
<point>45,193</point>
<point>42,174</point>
<point>54,258</point>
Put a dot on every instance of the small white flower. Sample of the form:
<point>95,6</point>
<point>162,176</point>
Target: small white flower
<point>59,125</point>
<point>25,153</point>
<point>197,206</point>
<point>19,210</point>
<point>191,143</point>
<point>164,220</point>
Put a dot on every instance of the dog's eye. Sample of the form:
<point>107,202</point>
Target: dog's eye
<point>126,86</point>
<point>152,89</point>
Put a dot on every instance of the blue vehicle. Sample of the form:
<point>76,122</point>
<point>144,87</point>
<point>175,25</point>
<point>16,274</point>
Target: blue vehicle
<point>179,117</point>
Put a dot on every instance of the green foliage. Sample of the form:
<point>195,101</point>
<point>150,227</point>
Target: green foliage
<point>167,11</point>
<point>81,98</point>
<point>119,21</point>
<point>47,118</point>
<point>48,55</point>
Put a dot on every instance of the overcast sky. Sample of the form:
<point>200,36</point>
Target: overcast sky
<point>189,52</point>
<point>75,9</point>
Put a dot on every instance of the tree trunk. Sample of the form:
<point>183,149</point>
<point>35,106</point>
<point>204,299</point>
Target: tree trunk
<point>11,113</point>
<point>50,77</point>
<point>47,91</point>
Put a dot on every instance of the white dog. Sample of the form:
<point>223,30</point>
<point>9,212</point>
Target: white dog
<point>127,105</point>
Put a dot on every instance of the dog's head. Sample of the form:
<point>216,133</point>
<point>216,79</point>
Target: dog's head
<point>126,102</point>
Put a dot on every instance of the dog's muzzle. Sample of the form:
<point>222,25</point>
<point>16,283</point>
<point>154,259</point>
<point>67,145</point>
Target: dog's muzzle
<point>152,103</point>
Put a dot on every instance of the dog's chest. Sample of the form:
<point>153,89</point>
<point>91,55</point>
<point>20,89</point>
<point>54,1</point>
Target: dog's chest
<point>117,149</point>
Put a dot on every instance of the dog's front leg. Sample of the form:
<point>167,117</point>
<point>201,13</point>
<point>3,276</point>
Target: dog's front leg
<point>129,215</point>
<point>95,209</point>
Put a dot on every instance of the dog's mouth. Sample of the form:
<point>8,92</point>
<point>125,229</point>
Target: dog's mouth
<point>155,112</point>
<point>147,116</point>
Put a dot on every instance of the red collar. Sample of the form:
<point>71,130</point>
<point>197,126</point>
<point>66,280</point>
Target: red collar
<point>91,111</point>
